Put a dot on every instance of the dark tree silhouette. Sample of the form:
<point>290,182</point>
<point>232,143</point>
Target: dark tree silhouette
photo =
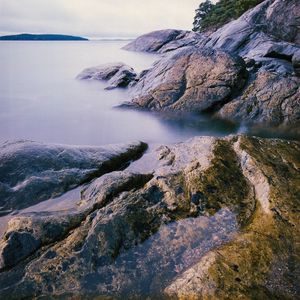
<point>211,16</point>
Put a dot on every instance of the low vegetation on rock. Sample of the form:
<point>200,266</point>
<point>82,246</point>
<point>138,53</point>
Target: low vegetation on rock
<point>211,16</point>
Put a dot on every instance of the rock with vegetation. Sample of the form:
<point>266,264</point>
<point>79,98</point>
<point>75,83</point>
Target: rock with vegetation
<point>210,16</point>
<point>216,218</point>
<point>271,95</point>
<point>190,79</point>
<point>267,42</point>
<point>252,36</point>
<point>31,172</point>
<point>262,262</point>
<point>117,74</point>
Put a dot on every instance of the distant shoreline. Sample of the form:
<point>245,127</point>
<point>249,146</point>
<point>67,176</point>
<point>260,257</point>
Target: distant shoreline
<point>41,37</point>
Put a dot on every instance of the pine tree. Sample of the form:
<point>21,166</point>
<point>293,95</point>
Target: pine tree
<point>212,16</point>
<point>201,12</point>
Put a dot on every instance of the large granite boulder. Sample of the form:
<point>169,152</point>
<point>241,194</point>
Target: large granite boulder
<point>195,78</point>
<point>162,41</point>
<point>31,172</point>
<point>216,218</point>
<point>190,79</point>
<point>270,98</point>
<point>117,74</point>
<point>268,28</point>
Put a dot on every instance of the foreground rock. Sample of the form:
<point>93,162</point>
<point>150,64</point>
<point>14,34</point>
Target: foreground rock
<point>163,41</point>
<point>190,79</point>
<point>217,218</point>
<point>262,261</point>
<point>117,74</point>
<point>31,172</point>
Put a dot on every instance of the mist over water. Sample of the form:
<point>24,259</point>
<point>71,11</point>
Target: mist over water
<point>41,100</point>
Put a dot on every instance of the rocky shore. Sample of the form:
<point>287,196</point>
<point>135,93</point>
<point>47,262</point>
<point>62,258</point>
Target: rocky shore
<point>247,71</point>
<point>207,218</point>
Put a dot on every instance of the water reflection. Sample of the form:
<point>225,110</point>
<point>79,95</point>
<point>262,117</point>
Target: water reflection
<point>146,269</point>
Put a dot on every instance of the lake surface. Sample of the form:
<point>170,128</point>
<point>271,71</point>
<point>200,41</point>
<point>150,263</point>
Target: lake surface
<point>41,100</point>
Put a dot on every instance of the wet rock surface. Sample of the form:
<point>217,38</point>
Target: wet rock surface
<point>217,217</point>
<point>31,172</point>
<point>263,261</point>
<point>117,74</point>
<point>191,79</point>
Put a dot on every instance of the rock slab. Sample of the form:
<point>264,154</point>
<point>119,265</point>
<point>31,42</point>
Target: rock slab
<point>190,79</point>
<point>217,218</point>
<point>117,74</point>
<point>31,172</point>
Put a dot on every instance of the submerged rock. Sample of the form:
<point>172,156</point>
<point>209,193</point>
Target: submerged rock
<point>117,74</point>
<point>31,172</point>
<point>190,79</point>
<point>218,217</point>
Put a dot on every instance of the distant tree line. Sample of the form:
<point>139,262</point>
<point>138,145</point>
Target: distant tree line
<point>211,16</point>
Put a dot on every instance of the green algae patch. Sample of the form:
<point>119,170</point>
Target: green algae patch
<point>263,261</point>
<point>223,184</point>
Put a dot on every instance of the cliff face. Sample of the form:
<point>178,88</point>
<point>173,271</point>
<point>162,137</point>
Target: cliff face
<point>267,41</point>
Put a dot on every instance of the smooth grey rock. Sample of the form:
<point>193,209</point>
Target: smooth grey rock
<point>117,74</point>
<point>190,79</point>
<point>262,31</point>
<point>31,172</point>
<point>153,41</point>
<point>102,72</point>
<point>163,41</point>
<point>125,76</point>
<point>185,39</point>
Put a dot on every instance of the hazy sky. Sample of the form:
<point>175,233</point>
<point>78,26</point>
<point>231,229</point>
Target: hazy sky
<point>95,18</point>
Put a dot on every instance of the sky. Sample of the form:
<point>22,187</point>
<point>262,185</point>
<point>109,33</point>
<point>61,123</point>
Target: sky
<point>95,18</point>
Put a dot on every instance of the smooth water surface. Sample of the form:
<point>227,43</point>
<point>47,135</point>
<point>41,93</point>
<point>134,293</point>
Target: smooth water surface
<point>41,100</point>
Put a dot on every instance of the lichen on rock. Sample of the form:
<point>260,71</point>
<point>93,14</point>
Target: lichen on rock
<point>217,217</point>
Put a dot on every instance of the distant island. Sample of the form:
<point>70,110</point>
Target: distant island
<point>41,37</point>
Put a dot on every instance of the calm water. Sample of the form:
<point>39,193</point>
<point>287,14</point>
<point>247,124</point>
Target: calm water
<point>41,100</point>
